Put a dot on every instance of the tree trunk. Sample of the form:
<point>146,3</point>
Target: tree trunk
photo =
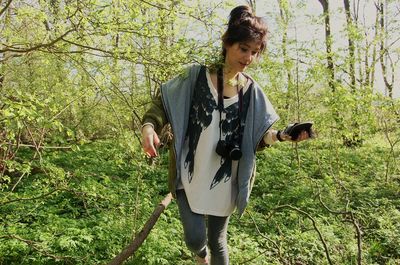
<point>252,3</point>
<point>286,61</point>
<point>349,21</point>
<point>384,55</point>
<point>371,70</point>
<point>354,138</point>
<point>328,43</point>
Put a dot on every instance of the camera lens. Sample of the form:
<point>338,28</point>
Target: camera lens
<point>235,153</point>
<point>221,148</point>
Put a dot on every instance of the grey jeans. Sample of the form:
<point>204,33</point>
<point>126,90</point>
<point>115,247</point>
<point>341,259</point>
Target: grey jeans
<point>202,230</point>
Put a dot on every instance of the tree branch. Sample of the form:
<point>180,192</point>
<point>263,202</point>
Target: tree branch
<point>355,224</point>
<point>5,7</point>
<point>33,198</point>
<point>268,239</point>
<point>36,47</point>
<point>181,13</point>
<point>314,223</point>
<point>33,244</point>
<point>42,146</point>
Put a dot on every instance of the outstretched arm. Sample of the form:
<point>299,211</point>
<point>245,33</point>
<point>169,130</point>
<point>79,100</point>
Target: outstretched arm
<point>272,136</point>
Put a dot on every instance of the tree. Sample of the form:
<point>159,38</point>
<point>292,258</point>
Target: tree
<point>328,44</point>
<point>385,58</point>
<point>351,47</point>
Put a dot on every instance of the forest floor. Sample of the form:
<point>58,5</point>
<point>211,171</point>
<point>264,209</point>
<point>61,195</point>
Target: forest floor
<point>310,205</point>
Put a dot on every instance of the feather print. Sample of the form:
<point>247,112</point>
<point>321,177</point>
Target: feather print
<point>200,117</point>
<point>230,129</point>
<point>223,173</point>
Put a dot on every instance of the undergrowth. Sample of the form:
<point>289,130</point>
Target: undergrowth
<point>83,206</point>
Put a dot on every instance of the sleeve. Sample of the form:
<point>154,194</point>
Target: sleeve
<point>156,115</point>
<point>267,140</point>
<point>262,145</point>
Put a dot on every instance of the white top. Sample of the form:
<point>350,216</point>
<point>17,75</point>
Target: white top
<point>218,200</point>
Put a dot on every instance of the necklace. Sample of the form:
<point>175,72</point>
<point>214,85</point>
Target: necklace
<point>236,81</point>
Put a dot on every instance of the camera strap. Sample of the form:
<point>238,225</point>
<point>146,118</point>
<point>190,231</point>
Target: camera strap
<point>220,89</point>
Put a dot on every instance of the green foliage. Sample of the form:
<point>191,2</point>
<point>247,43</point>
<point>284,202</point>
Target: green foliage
<point>351,181</point>
<point>81,209</point>
<point>85,205</point>
<point>75,78</point>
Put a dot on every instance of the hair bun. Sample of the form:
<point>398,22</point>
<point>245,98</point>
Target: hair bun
<point>244,26</point>
<point>240,14</point>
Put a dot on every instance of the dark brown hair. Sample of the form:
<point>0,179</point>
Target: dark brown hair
<point>244,26</point>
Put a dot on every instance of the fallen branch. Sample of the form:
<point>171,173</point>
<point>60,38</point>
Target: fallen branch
<point>139,239</point>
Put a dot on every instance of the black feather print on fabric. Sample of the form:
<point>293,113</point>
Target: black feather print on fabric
<point>230,124</point>
<point>230,129</point>
<point>223,173</point>
<point>200,117</point>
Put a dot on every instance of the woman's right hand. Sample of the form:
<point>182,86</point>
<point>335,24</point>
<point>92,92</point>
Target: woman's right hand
<point>150,140</point>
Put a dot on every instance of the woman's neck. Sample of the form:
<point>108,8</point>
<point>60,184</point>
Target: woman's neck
<point>230,74</point>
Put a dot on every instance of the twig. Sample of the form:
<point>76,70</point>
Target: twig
<point>5,7</point>
<point>37,147</point>
<point>355,224</point>
<point>33,198</point>
<point>253,258</point>
<point>42,147</point>
<point>98,85</point>
<point>205,22</point>
<point>268,239</point>
<point>37,47</point>
<point>314,225</point>
<point>33,244</point>
<point>18,181</point>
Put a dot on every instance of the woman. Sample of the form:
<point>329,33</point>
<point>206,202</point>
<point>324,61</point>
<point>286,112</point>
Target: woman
<point>219,117</point>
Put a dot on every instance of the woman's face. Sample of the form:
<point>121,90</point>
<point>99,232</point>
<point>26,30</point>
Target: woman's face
<point>241,54</point>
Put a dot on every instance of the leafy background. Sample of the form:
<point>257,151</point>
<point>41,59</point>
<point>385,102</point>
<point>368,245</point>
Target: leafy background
<point>76,76</point>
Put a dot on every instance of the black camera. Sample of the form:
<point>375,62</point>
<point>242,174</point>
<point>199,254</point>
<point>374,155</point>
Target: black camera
<point>228,150</point>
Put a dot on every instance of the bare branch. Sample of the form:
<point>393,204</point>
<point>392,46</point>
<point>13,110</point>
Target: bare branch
<point>5,7</point>
<point>355,224</point>
<point>268,239</point>
<point>314,223</point>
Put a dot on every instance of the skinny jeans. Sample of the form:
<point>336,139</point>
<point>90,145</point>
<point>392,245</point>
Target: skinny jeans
<point>202,230</point>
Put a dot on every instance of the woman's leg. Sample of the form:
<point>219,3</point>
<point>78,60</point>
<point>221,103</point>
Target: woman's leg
<point>194,226</point>
<point>217,239</point>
